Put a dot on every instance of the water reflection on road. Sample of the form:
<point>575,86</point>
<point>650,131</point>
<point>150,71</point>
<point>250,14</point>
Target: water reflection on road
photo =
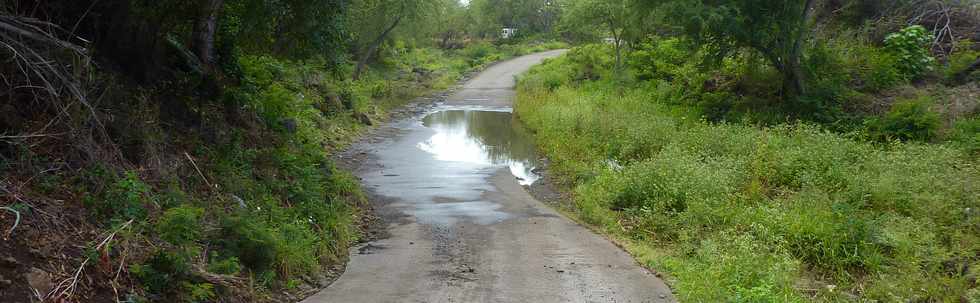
<point>487,138</point>
<point>439,168</point>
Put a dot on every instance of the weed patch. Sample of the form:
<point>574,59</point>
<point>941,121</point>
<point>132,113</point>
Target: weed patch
<point>780,213</point>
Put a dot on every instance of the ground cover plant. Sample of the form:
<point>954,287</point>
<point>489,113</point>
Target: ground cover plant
<point>742,212</point>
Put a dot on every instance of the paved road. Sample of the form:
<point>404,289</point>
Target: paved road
<point>462,227</point>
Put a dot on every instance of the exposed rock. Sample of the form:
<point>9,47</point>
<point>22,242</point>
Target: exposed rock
<point>39,280</point>
<point>363,118</point>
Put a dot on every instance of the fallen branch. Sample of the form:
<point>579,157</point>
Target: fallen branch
<point>5,137</point>
<point>16,221</point>
<point>52,69</point>
<point>198,170</point>
<point>66,288</point>
<point>219,279</point>
<point>29,136</point>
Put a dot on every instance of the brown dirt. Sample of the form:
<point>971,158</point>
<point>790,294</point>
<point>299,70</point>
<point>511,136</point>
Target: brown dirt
<point>45,248</point>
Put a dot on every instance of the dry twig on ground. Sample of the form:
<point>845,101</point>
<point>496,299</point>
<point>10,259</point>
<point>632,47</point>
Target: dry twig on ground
<point>16,222</point>
<point>66,288</point>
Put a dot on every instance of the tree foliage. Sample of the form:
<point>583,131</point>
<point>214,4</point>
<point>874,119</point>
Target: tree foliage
<point>295,28</point>
<point>774,29</point>
<point>614,17</point>
<point>528,16</point>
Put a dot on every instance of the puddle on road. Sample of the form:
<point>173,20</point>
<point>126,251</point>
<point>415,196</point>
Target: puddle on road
<point>439,170</point>
<point>486,138</point>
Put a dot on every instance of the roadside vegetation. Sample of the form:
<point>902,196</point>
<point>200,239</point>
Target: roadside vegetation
<point>852,176</point>
<point>182,151</point>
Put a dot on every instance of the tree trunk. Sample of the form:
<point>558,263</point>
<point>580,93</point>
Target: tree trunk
<point>204,32</point>
<point>445,40</point>
<point>369,51</point>
<point>619,55</point>
<point>618,44</point>
<point>793,79</point>
<point>793,70</point>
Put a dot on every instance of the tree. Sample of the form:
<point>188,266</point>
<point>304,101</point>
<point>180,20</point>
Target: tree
<point>376,19</point>
<point>451,24</point>
<point>528,16</point>
<point>291,28</point>
<point>612,15</point>
<point>204,32</point>
<point>775,29</point>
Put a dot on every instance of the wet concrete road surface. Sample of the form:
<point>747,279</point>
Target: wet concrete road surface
<point>462,227</point>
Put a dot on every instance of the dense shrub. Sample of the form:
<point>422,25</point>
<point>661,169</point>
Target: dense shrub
<point>907,120</point>
<point>478,53</point>
<point>250,242</point>
<point>884,71</point>
<point>125,199</point>
<point>226,266</point>
<point>660,60</point>
<point>591,61</point>
<point>827,82</point>
<point>911,48</point>
<point>163,273</point>
<point>180,225</point>
<point>960,60</point>
<point>197,292</point>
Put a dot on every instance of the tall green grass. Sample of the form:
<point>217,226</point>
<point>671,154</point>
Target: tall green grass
<point>741,213</point>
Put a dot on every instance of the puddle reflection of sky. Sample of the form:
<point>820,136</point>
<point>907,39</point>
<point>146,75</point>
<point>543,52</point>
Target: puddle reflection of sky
<point>482,138</point>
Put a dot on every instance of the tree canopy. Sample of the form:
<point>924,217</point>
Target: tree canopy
<point>774,29</point>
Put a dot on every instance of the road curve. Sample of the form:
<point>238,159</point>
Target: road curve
<point>462,233</point>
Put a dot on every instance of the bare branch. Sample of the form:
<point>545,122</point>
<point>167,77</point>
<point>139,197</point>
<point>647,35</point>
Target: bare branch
<point>66,288</point>
<point>16,221</point>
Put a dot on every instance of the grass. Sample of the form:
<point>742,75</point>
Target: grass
<point>735,212</point>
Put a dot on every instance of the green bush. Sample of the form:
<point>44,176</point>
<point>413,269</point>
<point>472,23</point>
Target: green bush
<point>966,135</point>
<point>659,60</point>
<point>552,78</point>
<point>871,68</point>
<point>180,225</point>
<point>225,266</point>
<point>197,292</point>
<point>476,52</point>
<point>911,48</point>
<point>250,242</point>
<point>163,273</point>
<point>960,60</point>
<point>827,82</point>
<point>591,61</point>
<point>907,120</point>
<point>884,72</point>
<point>125,199</point>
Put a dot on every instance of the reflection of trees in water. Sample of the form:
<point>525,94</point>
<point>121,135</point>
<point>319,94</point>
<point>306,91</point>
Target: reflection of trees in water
<point>503,138</point>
